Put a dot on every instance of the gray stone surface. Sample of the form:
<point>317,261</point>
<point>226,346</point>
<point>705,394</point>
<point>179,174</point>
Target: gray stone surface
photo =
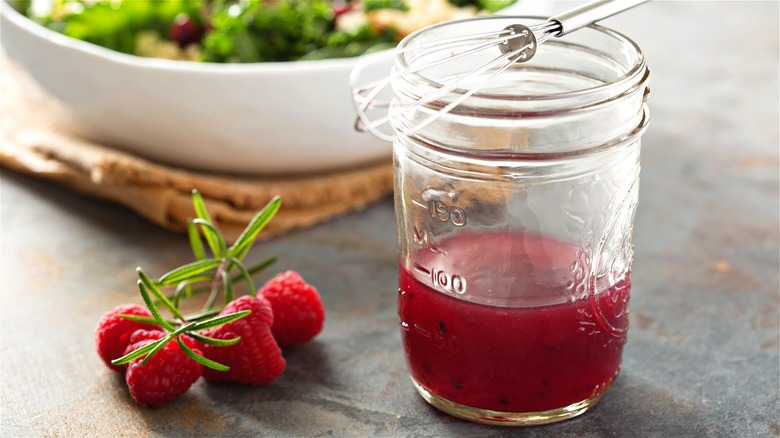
<point>702,357</point>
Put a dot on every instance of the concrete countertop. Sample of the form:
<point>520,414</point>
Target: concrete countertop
<point>702,357</point>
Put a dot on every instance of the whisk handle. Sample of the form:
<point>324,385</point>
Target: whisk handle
<point>591,13</point>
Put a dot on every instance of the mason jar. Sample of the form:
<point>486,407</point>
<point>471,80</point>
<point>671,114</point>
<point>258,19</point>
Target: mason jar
<point>515,212</point>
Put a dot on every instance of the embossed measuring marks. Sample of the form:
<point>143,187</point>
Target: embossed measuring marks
<point>431,206</point>
<point>439,336</point>
<point>442,279</point>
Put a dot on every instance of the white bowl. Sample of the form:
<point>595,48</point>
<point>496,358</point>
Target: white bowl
<point>264,118</point>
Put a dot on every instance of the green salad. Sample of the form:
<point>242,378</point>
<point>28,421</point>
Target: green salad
<point>247,30</point>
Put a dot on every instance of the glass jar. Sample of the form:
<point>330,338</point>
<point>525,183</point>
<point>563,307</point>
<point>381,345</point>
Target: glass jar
<point>515,214</point>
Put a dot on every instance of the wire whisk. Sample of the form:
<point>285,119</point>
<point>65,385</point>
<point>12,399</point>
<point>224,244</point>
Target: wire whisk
<point>516,43</point>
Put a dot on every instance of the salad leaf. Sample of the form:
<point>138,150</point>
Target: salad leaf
<point>255,32</point>
<point>486,5</point>
<point>342,44</point>
<point>494,5</point>
<point>372,5</point>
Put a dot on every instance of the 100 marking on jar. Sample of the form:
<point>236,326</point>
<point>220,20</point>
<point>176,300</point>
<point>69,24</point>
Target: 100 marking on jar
<point>437,209</point>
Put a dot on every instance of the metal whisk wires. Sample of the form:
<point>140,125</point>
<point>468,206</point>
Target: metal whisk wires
<point>516,43</point>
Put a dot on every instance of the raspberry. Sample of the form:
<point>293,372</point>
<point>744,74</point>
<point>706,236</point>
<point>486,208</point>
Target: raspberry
<point>112,334</point>
<point>145,335</point>
<point>256,359</point>
<point>298,311</point>
<point>167,375</point>
<point>185,30</point>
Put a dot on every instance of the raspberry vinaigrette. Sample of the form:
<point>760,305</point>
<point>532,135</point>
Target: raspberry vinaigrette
<point>518,358</point>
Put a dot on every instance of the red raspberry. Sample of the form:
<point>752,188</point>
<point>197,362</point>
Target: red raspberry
<point>112,334</point>
<point>167,375</point>
<point>298,311</point>
<point>256,359</point>
<point>146,335</point>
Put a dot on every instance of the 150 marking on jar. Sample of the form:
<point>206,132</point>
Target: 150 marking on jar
<point>443,212</point>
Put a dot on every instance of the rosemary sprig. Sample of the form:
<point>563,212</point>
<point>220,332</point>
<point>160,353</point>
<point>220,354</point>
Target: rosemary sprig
<point>215,270</point>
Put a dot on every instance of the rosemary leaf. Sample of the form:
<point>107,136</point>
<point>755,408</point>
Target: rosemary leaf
<point>212,299</point>
<point>262,265</point>
<point>188,271</point>
<point>200,359</point>
<point>204,314</point>
<point>195,242</point>
<point>247,238</point>
<point>144,319</point>
<point>162,299</point>
<point>245,274</point>
<point>215,341</point>
<point>204,219</point>
<point>181,291</point>
<point>227,284</point>
<point>220,320</point>
<point>152,307</point>
<point>135,354</point>
<point>157,347</point>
